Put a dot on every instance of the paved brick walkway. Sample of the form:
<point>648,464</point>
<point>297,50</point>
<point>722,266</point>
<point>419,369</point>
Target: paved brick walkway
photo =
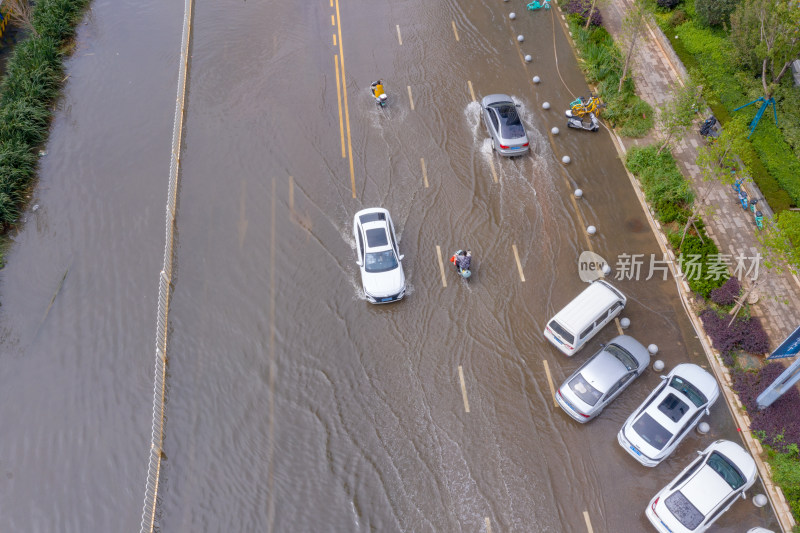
<point>656,69</point>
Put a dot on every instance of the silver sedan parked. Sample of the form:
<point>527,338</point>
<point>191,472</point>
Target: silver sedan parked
<point>601,378</point>
<point>504,125</point>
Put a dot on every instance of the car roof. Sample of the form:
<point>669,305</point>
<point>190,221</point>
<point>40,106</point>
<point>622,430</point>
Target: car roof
<point>582,310</point>
<point>603,370</point>
<point>705,489</point>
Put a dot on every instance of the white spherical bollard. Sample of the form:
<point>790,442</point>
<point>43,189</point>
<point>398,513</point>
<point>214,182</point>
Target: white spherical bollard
<point>536,79</point>
<point>703,428</point>
<point>578,193</point>
<point>512,15</point>
<point>520,38</point>
<point>528,58</point>
<point>653,349</point>
<point>624,323</point>
<point>554,131</point>
<point>591,230</point>
<point>658,366</point>
<point>566,160</point>
<point>759,500</point>
<point>606,272</point>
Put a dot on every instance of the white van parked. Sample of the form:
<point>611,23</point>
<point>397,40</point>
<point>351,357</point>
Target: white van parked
<point>584,316</point>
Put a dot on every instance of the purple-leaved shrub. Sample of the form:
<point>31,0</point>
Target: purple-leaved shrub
<point>727,294</point>
<point>744,334</point>
<point>779,422</point>
<point>581,8</point>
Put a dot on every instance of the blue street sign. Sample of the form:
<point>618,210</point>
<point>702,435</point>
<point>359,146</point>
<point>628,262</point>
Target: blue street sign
<point>788,348</point>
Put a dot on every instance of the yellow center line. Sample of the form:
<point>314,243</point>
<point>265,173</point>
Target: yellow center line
<point>463,388</point>
<point>441,265</point>
<point>550,381</point>
<point>334,39</point>
<point>588,522</point>
<point>346,105</point>
<point>424,172</point>
<point>488,525</point>
<point>339,100</point>
<point>399,37</point>
<point>333,21</point>
<point>519,265</point>
<point>410,98</point>
<point>471,92</point>
<point>455,30</point>
<point>331,3</point>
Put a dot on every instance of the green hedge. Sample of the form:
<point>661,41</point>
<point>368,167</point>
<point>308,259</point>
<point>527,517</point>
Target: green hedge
<point>28,91</point>
<point>671,197</point>
<point>602,63</point>
<point>774,165</point>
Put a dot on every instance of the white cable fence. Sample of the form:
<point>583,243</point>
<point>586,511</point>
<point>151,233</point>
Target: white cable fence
<point>164,288</point>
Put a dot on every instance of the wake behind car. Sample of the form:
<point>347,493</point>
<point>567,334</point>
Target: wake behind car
<point>704,490</point>
<point>657,426</point>
<point>602,378</point>
<point>502,120</point>
<point>378,256</point>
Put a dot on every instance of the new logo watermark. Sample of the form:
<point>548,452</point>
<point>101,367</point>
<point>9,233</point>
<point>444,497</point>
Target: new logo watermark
<point>592,266</point>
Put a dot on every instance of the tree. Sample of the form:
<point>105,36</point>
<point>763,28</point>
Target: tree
<point>592,10</point>
<point>715,12</point>
<point>632,25</point>
<point>717,159</point>
<point>766,36</point>
<point>781,240</point>
<point>18,12</point>
<point>677,114</point>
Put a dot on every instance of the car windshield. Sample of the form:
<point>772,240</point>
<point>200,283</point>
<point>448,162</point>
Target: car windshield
<point>682,509</point>
<point>652,432</point>
<point>376,238</point>
<point>623,355</point>
<point>688,390</point>
<point>720,464</point>
<point>380,261</point>
<point>585,392</point>
<point>564,334</point>
<point>673,407</point>
<point>510,124</point>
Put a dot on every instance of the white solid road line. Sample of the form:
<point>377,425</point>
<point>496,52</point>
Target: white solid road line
<point>410,98</point>
<point>424,172</point>
<point>463,388</point>
<point>399,37</point>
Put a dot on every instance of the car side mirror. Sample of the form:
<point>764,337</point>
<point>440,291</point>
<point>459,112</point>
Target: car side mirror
<point>358,262</point>
<point>708,412</point>
<point>744,495</point>
<point>663,377</point>
<point>602,345</point>
<point>401,257</point>
<point>699,452</point>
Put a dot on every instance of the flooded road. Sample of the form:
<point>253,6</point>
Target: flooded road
<point>293,404</point>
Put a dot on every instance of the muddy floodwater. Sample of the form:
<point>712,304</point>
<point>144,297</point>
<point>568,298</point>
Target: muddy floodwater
<point>292,403</point>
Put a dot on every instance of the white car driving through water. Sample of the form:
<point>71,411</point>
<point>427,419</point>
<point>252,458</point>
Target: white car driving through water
<point>378,256</point>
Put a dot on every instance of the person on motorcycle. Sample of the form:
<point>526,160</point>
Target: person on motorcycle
<point>462,259</point>
<point>377,91</point>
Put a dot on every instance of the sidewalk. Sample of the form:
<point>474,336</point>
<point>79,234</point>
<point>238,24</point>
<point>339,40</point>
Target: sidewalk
<point>656,69</point>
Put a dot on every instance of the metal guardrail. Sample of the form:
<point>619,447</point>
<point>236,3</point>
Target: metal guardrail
<point>164,290</point>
